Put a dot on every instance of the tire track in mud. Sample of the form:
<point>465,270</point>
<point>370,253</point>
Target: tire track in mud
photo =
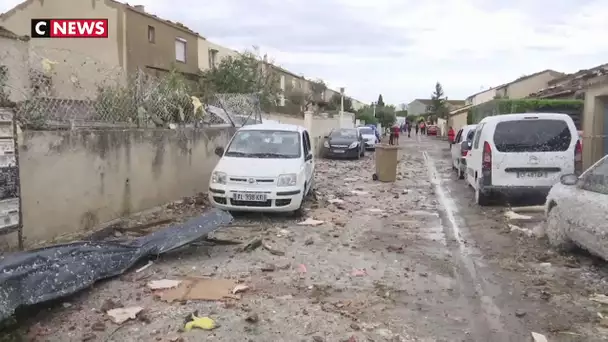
<point>488,322</point>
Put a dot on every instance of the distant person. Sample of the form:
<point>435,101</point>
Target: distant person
<point>422,127</point>
<point>396,130</point>
<point>409,130</point>
<point>416,127</point>
<point>451,135</point>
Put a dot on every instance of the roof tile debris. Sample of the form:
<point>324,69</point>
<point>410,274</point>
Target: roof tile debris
<point>572,83</point>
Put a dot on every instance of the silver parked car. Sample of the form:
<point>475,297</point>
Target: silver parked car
<point>577,210</point>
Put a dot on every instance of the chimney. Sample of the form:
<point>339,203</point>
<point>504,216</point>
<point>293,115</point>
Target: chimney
<point>140,8</point>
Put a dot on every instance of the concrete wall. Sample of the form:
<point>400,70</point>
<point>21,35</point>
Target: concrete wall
<point>79,64</point>
<point>75,180</point>
<point>458,121</point>
<point>12,54</point>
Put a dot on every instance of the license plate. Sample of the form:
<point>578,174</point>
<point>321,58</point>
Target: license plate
<point>338,151</point>
<point>250,196</point>
<point>534,174</point>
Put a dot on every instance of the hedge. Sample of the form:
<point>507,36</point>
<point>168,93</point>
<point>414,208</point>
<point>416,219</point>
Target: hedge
<point>574,108</point>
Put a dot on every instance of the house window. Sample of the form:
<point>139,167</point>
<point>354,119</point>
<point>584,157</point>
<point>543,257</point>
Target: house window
<point>180,50</point>
<point>212,58</point>
<point>151,34</point>
<point>282,82</point>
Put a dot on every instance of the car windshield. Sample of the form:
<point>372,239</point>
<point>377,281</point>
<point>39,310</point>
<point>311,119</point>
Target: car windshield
<point>265,144</point>
<point>344,133</point>
<point>532,136</point>
<point>366,131</point>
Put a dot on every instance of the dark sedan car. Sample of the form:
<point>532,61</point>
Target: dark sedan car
<point>344,143</point>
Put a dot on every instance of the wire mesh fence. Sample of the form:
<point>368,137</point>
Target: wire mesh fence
<point>51,87</point>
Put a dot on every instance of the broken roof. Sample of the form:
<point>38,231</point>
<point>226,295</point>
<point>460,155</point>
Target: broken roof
<point>573,83</point>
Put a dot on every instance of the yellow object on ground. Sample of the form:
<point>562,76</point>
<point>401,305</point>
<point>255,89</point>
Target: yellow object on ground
<point>204,323</point>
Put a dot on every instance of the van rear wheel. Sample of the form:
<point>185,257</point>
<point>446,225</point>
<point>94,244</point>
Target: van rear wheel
<point>481,198</point>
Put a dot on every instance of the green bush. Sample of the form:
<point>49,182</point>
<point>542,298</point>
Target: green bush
<point>573,108</point>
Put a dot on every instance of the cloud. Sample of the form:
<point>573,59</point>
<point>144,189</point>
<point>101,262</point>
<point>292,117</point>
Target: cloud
<point>400,48</point>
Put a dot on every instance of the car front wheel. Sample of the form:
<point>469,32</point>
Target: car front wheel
<point>556,231</point>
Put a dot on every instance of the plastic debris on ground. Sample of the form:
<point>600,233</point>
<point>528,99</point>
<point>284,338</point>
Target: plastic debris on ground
<point>49,273</point>
<point>310,222</point>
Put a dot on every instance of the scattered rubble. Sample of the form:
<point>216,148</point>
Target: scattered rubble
<point>121,315</point>
<point>163,284</point>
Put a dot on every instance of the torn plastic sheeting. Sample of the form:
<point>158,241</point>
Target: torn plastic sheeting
<point>44,274</point>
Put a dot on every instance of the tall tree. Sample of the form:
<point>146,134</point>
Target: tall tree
<point>380,101</point>
<point>439,102</point>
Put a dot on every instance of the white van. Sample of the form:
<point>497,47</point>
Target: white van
<point>266,167</point>
<point>521,153</point>
<point>459,152</point>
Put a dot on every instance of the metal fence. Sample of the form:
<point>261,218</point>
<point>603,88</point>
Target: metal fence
<point>49,87</point>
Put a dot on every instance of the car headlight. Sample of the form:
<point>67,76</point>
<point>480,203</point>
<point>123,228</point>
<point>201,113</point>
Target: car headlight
<point>287,180</point>
<point>218,177</point>
<point>354,144</point>
<point>326,144</point>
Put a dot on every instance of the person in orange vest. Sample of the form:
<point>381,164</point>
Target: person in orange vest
<point>451,135</point>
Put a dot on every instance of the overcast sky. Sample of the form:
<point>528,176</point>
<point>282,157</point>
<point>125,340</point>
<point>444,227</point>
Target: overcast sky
<point>400,48</point>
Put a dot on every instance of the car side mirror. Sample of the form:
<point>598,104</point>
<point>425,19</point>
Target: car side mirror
<point>219,151</point>
<point>326,137</point>
<point>465,146</point>
<point>569,179</point>
<point>308,157</point>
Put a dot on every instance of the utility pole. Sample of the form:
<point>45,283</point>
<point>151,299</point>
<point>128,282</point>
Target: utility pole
<point>341,105</point>
<point>374,108</point>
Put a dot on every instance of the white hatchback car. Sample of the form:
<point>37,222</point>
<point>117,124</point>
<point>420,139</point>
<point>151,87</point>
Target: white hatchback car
<point>369,137</point>
<point>522,153</point>
<point>266,167</point>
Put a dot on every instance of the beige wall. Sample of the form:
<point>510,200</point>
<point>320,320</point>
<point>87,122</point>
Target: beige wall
<point>458,121</point>
<point>79,64</point>
<point>596,98</point>
<point>161,53</point>
<point>12,54</point>
<point>484,97</point>
<point>523,88</point>
<point>203,53</point>
<point>321,125</point>
<point>74,180</point>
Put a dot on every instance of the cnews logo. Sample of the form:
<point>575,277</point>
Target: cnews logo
<point>69,28</point>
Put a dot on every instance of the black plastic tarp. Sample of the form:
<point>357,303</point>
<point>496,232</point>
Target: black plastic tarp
<point>44,274</point>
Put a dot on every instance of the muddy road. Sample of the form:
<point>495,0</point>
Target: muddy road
<point>414,260</point>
